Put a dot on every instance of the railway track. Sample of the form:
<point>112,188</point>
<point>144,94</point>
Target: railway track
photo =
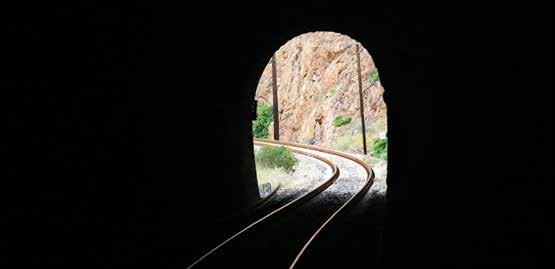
<point>281,237</point>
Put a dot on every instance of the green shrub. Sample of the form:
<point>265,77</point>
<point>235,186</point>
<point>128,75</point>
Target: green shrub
<point>374,77</point>
<point>276,156</point>
<point>379,148</point>
<point>264,117</point>
<point>340,121</point>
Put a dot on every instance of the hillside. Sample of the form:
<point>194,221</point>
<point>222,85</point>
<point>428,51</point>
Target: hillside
<point>317,85</point>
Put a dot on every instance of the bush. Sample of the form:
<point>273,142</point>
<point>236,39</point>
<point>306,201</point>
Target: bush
<point>264,117</point>
<point>379,148</point>
<point>374,77</point>
<point>340,121</point>
<point>276,156</point>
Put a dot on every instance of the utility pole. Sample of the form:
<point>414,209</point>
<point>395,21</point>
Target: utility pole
<point>361,101</point>
<point>275,95</point>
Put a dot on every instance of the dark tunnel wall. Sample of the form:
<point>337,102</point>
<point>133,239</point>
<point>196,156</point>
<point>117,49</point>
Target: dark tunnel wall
<point>145,122</point>
<point>396,47</point>
<point>229,59</point>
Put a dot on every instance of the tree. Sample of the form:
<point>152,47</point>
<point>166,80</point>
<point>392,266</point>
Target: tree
<point>264,117</point>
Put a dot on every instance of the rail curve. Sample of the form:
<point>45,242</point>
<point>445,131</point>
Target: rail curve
<point>306,196</point>
<point>300,149</point>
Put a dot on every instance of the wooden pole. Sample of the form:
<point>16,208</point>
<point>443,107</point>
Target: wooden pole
<point>361,101</point>
<point>275,95</point>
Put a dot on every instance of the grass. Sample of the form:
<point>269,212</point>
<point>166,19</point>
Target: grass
<point>345,142</point>
<point>274,176</point>
<point>376,146</point>
<point>351,142</point>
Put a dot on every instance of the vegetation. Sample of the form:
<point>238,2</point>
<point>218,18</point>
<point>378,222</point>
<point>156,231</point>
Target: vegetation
<point>350,142</point>
<point>332,92</point>
<point>274,176</point>
<point>379,148</point>
<point>276,157</point>
<point>353,142</point>
<point>264,117</point>
<point>341,120</point>
<point>345,142</point>
<point>374,77</point>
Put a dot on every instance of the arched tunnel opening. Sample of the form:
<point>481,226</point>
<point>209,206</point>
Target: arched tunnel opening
<point>321,80</point>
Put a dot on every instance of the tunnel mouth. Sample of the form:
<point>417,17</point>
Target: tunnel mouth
<point>315,85</point>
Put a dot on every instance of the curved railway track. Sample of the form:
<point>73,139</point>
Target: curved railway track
<point>279,238</point>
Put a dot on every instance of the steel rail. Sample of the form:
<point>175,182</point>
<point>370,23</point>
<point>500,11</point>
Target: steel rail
<point>321,187</point>
<point>358,195</point>
<point>308,195</point>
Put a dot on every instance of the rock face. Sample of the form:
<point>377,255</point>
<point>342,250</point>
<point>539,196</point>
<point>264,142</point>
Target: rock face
<point>318,81</point>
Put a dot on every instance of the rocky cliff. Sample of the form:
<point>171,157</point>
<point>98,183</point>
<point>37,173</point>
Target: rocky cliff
<point>317,82</point>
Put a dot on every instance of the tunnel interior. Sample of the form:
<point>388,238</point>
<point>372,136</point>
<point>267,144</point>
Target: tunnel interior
<point>128,134</point>
<point>239,66</point>
<point>154,118</point>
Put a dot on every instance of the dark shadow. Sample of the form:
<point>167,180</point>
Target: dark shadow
<point>143,129</point>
